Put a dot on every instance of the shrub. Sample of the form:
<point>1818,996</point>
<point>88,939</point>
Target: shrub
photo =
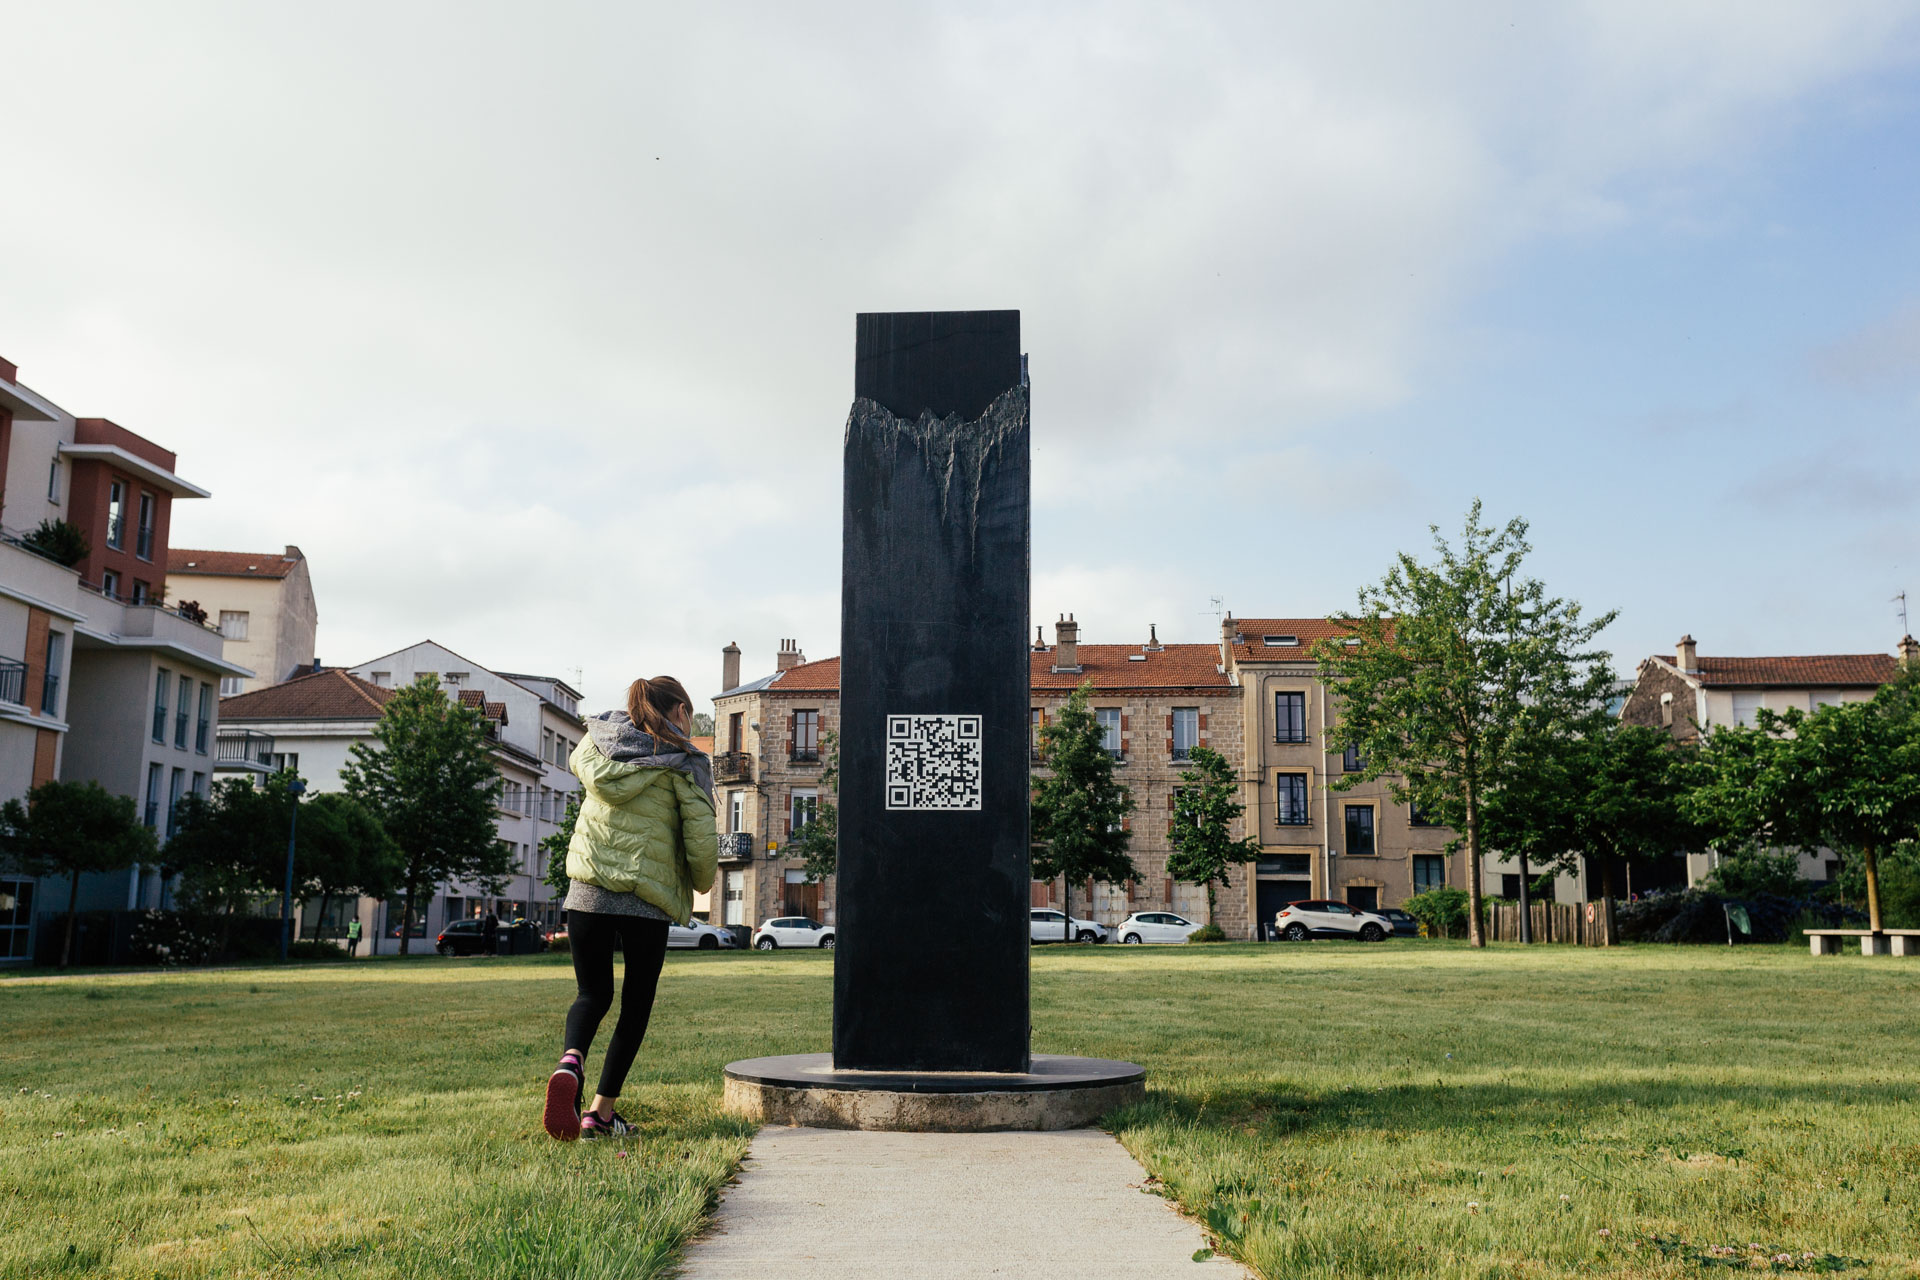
<point>1208,933</point>
<point>60,541</point>
<point>1442,910</point>
<point>1699,915</point>
<point>1754,873</point>
<point>173,938</point>
<point>560,944</point>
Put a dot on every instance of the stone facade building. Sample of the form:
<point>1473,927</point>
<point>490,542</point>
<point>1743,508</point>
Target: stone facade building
<point>1357,846</point>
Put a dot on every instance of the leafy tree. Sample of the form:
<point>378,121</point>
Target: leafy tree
<point>1749,873</point>
<point>1204,812</point>
<point>230,847</point>
<point>555,847</point>
<point>818,842</point>
<point>341,850</point>
<point>1450,670</point>
<point>69,829</point>
<point>60,541</point>
<point>703,724</point>
<point>1079,814</point>
<point>1443,910</point>
<point>430,778</point>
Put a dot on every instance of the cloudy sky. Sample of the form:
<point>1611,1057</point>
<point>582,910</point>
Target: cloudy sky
<point>533,324</point>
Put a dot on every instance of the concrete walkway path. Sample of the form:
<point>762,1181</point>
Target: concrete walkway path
<point>945,1206</point>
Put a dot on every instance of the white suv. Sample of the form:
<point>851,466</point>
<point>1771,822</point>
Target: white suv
<point>1319,918</point>
<point>1154,926</point>
<point>792,931</point>
<point>1044,924</point>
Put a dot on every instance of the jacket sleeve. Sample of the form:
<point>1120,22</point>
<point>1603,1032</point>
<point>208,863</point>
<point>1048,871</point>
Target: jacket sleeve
<point>699,834</point>
<point>612,783</point>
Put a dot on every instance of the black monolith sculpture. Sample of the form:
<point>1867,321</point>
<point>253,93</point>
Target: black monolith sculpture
<point>931,968</point>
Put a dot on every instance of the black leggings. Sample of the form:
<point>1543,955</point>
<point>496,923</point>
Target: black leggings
<point>593,937</point>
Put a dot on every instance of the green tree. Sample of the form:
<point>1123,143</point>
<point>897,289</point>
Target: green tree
<point>1079,813</point>
<point>1448,671</point>
<point>555,847</point>
<point>230,847</point>
<point>818,842</point>
<point>69,829</point>
<point>1204,811</point>
<point>703,724</point>
<point>340,851</point>
<point>430,778</point>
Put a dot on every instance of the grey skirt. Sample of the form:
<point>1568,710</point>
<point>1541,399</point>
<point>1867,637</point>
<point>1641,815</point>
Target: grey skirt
<point>591,898</point>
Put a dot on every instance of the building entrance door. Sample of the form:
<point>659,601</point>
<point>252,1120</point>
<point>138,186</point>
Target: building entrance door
<point>802,899</point>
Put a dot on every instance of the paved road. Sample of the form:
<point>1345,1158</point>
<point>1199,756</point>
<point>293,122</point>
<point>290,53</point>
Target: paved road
<point>818,1203</point>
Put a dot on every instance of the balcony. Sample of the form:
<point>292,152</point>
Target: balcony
<point>736,845</point>
<point>733,766</point>
<point>804,755</point>
<point>243,749</point>
<point>13,682</point>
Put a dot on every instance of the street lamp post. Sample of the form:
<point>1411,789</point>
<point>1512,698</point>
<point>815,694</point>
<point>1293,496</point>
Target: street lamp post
<point>295,787</point>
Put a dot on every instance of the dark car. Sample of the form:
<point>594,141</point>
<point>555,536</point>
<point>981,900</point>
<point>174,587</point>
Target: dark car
<point>469,938</point>
<point>1404,925</point>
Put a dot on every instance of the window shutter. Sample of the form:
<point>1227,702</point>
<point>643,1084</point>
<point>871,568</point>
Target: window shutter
<point>1203,720</point>
<point>1126,722</point>
<point>1169,890</point>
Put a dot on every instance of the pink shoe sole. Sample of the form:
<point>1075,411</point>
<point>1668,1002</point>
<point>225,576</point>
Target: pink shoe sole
<point>562,1118</point>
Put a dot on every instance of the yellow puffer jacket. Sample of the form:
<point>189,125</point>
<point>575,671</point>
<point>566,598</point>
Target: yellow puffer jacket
<point>646,823</point>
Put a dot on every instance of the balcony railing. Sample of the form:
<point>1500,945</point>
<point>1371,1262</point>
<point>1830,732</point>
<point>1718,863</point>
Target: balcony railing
<point>160,722</point>
<point>180,721</point>
<point>13,681</point>
<point>733,766</point>
<point>736,844</point>
<point>143,543</point>
<point>243,749</point>
<point>804,755</point>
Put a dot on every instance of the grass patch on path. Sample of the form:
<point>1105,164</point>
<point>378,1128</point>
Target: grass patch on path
<point>381,1118</point>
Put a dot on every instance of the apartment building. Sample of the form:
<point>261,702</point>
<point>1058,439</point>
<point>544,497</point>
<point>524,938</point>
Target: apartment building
<point>261,601</point>
<point>1157,702</point>
<point>99,680</point>
<point>1355,845</point>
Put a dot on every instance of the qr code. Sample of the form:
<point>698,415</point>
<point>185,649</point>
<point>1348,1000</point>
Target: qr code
<point>933,762</point>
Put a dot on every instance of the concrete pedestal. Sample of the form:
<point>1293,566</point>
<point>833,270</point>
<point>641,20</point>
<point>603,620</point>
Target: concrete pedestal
<point>1058,1092</point>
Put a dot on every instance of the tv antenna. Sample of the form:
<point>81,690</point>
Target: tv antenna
<point>1905,628</point>
<point>1219,609</point>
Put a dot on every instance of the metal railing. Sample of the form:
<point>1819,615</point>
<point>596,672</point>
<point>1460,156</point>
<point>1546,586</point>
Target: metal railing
<point>736,844</point>
<point>804,755</point>
<point>243,747</point>
<point>180,721</point>
<point>200,736</point>
<point>13,681</point>
<point>160,721</point>
<point>733,766</point>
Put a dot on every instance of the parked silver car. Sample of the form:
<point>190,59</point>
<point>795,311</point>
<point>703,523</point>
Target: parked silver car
<point>1154,926</point>
<point>699,935</point>
<point>792,931</point>
<point>1046,924</point>
<point>1320,918</point>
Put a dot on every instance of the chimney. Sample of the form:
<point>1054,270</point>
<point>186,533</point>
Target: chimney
<point>1229,631</point>
<point>9,372</point>
<point>789,655</point>
<point>1039,638</point>
<point>730,666</point>
<point>1066,644</point>
<point>1687,655</point>
<point>1910,651</point>
<point>1153,644</point>
<point>293,553</point>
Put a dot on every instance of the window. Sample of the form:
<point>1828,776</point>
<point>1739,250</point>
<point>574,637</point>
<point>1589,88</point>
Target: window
<point>1290,716</point>
<point>1419,817</point>
<point>160,706</point>
<point>1745,708</point>
<point>53,482</point>
<point>546,745</point>
<point>1279,642</point>
<point>116,515</point>
<point>174,792</point>
<point>734,737</point>
<point>1363,897</point>
<point>1109,718</point>
<point>16,918</point>
<point>205,725</point>
<point>383,678</point>
<point>1429,872</point>
<point>110,584</point>
<point>1360,830</point>
<point>806,736</point>
<point>736,811</point>
<point>140,591</point>
<point>285,761</point>
<point>1290,799</point>
<point>199,787</point>
<point>397,913</point>
<point>805,807</point>
<point>50,684</point>
<point>230,686</point>
<point>152,814</point>
<point>233,624</point>
<point>455,679</point>
<point>1186,731</point>
<point>1287,864</point>
<point>1351,761</point>
<point>182,713</point>
<point>143,534</point>
<point>1037,722</point>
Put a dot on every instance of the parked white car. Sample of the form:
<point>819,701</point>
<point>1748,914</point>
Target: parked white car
<point>792,931</point>
<point>698,934</point>
<point>1154,926</point>
<point>1044,924</point>
<point>1318,918</point>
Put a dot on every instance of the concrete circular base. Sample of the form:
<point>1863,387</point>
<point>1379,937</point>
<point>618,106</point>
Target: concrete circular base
<point>804,1089</point>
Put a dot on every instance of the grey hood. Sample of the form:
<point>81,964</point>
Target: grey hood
<point>620,741</point>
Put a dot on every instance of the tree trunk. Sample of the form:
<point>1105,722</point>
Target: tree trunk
<point>320,923</point>
<point>1066,908</point>
<point>1476,903</point>
<point>1873,887</point>
<point>1526,903</point>
<point>1606,901</point>
<point>73,901</point>
<point>406,923</point>
<point>1209,902</point>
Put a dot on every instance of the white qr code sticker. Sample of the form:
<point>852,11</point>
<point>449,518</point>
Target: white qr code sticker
<point>933,762</point>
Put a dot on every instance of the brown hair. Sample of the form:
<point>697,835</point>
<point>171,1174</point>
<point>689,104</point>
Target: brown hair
<point>650,702</point>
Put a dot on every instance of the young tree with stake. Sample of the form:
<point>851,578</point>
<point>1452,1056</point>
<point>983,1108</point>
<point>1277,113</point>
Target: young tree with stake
<point>1078,815</point>
<point>1204,811</point>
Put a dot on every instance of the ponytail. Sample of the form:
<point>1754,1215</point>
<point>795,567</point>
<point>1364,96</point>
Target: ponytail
<point>650,702</point>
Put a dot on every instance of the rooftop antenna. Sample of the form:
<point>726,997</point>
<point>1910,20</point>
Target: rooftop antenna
<point>1905,628</point>
<point>1219,609</point>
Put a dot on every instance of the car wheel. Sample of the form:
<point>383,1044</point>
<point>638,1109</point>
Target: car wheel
<point>826,943</point>
<point>444,949</point>
<point>1371,933</point>
<point>709,943</point>
<point>765,944</point>
<point>1086,935</point>
<point>1295,932</point>
<point>1132,939</point>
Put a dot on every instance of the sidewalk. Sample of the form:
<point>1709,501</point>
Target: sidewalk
<point>818,1203</point>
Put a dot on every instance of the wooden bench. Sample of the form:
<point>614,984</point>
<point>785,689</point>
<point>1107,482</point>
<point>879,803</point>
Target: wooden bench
<point>1899,942</point>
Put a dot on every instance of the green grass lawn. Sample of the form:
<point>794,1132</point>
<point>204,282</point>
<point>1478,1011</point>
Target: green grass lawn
<point>1333,1109</point>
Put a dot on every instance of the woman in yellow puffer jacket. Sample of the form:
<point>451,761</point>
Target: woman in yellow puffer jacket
<point>644,842</point>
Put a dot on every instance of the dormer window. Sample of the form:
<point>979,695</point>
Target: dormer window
<point>1280,642</point>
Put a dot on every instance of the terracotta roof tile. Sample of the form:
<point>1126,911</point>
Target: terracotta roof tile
<point>809,677</point>
<point>325,695</point>
<point>229,564</point>
<point>1252,646</point>
<point>1851,670</point>
<point>1109,666</point>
